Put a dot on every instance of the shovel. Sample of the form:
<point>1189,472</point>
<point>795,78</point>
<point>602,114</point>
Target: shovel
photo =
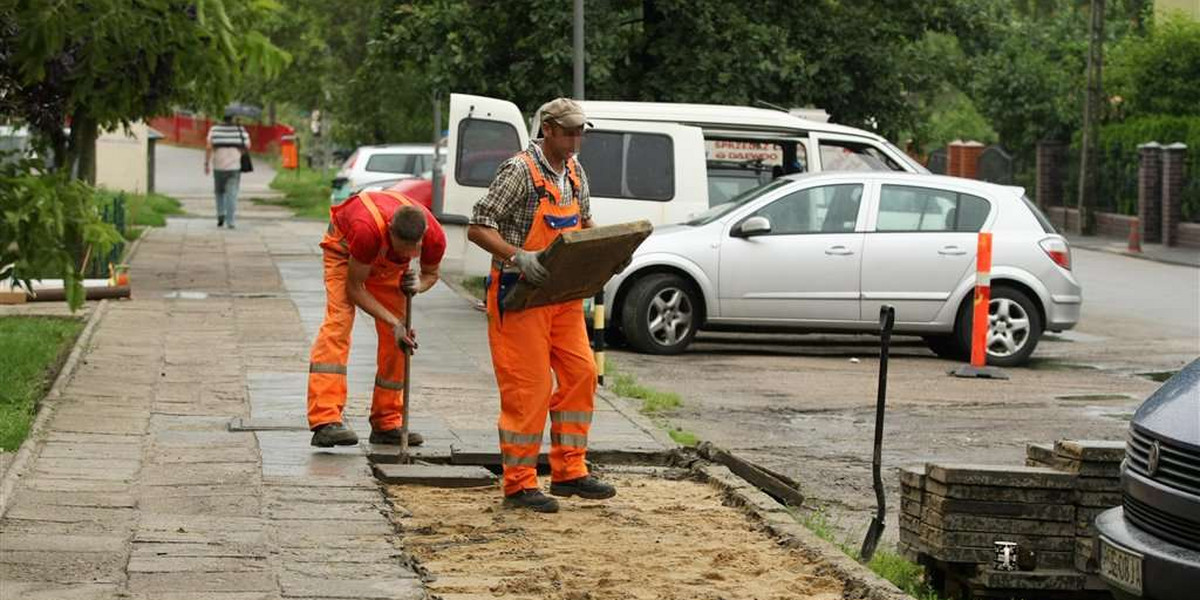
<point>887,318</point>
<point>407,352</point>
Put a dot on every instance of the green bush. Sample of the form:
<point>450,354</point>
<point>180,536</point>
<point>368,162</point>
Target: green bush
<point>48,223</point>
<point>1119,159</point>
<point>1157,73</point>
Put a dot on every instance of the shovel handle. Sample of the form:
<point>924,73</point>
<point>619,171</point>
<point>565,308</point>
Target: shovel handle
<point>407,398</point>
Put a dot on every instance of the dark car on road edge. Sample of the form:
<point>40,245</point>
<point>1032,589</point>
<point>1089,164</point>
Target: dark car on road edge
<point>1149,547</point>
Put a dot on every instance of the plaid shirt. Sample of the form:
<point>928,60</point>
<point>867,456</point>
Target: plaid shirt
<point>511,201</point>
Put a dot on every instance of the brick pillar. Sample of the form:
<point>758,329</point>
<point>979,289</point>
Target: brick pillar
<point>954,158</point>
<point>1174,157</point>
<point>1150,191</point>
<point>1051,158</point>
<point>970,160</point>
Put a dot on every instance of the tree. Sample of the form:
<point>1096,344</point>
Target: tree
<point>97,64</point>
<point>845,57</point>
<point>1159,72</point>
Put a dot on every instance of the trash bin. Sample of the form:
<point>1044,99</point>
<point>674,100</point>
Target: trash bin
<point>289,155</point>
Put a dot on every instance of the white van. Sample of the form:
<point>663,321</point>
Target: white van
<point>645,160</point>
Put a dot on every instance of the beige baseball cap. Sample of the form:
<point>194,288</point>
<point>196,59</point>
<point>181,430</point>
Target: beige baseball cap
<point>564,111</point>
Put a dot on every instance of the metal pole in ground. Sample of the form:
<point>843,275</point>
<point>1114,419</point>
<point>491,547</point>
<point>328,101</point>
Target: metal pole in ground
<point>887,318</point>
<point>407,377</point>
<point>598,335</point>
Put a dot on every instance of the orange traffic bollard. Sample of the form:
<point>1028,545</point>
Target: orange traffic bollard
<point>979,315</point>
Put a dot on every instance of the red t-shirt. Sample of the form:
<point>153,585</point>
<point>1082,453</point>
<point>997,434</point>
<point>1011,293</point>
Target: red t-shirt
<point>364,237</point>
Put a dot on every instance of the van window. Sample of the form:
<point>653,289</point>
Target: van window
<point>904,208</point>
<point>838,155</point>
<point>482,145</point>
<point>638,166</point>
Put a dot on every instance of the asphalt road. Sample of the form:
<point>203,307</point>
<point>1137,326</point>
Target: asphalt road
<point>805,404</point>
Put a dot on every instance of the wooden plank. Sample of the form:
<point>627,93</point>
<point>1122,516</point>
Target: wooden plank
<point>580,263</point>
<point>997,493</point>
<point>977,539</point>
<point>1040,579</point>
<point>1004,476</point>
<point>761,479</point>
<point>1014,510</point>
<point>447,476</point>
<point>1110,451</point>
<point>13,297</point>
<point>961,522</point>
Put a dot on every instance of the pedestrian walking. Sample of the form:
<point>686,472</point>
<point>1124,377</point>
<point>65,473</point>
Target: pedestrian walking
<point>541,356</point>
<point>227,142</point>
<point>367,250</point>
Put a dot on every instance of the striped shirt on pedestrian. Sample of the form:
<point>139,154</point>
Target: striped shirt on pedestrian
<point>228,141</point>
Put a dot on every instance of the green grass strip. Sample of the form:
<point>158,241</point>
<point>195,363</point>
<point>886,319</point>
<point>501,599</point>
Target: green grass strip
<point>306,192</point>
<point>32,350</point>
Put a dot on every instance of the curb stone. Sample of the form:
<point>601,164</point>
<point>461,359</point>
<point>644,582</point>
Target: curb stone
<point>860,582</point>
<point>32,443</point>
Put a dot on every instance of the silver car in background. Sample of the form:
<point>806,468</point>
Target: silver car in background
<point>823,252</point>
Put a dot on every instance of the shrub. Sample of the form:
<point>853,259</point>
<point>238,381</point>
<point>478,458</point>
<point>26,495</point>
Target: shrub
<point>48,223</point>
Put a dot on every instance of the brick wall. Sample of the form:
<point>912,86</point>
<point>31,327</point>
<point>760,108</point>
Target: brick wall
<point>1112,225</point>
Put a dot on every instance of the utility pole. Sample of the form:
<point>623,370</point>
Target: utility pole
<point>1088,160</point>
<point>578,92</point>
<point>438,202</point>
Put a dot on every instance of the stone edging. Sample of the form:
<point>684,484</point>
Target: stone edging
<point>860,582</point>
<point>16,468</point>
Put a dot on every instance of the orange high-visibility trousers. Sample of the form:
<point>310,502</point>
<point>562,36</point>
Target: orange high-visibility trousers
<point>530,350</point>
<point>331,350</point>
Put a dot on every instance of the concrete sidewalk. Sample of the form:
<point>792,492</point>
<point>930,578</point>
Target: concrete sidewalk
<point>139,489</point>
<point>1171,255</point>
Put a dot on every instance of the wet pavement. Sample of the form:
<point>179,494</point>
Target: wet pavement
<point>140,488</point>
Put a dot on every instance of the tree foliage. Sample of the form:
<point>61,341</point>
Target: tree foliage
<point>47,224</point>
<point>98,64</point>
<point>846,57</point>
<point>1159,72</point>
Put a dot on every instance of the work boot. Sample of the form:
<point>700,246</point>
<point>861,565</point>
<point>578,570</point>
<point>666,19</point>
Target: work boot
<point>333,434</point>
<point>585,487</point>
<point>533,499</point>
<point>392,436</point>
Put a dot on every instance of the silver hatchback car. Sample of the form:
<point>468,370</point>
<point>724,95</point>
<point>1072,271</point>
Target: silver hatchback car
<point>823,252</point>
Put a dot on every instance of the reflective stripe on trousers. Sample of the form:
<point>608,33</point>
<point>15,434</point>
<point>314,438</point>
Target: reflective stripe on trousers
<point>331,349</point>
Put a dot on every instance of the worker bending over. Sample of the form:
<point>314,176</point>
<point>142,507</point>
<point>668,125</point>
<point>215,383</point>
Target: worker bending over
<point>371,241</point>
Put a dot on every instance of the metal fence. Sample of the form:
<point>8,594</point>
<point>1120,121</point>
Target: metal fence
<point>112,211</point>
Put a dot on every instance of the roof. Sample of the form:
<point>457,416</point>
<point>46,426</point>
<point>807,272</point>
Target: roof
<point>405,148</point>
<point>713,116</point>
<point>914,179</point>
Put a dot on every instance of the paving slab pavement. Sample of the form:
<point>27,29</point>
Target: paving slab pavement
<point>139,488</point>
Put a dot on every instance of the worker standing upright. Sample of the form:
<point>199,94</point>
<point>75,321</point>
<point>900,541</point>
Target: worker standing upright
<point>371,241</point>
<point>541,356</point>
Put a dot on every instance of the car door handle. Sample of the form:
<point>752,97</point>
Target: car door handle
<point>951,251</point>
<point>838,251</point>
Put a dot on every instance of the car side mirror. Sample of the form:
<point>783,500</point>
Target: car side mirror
<point>756,225</point>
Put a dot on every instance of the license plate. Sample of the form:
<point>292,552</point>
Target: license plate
<point>1122,567</point>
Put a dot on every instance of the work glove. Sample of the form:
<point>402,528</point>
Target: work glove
<point>406,339</point>
<point>410,284</point>
<point>530,267</point>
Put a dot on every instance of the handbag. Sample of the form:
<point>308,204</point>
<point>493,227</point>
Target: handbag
<point>247,163</point>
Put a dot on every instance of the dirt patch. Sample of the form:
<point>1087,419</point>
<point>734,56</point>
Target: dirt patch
<point>658,539</point>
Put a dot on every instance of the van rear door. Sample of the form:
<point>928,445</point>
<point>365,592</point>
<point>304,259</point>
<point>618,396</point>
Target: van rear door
<point>644,170</point>
<point>484,132</point>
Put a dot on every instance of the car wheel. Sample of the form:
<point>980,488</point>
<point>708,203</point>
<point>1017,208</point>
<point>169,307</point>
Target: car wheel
<point>945,346</point>
<point>660,314</point>
<point>1014,327</point>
